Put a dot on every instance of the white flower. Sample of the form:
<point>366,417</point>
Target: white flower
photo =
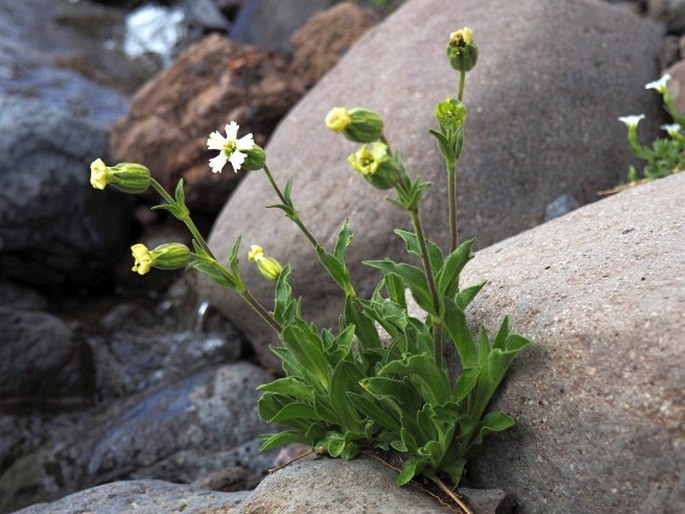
<point>230,148</point>
<point>673,129</point>
<point>631,121</point>
<point>659,85</point>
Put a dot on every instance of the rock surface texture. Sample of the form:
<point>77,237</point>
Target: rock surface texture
<point>598,397</point>
<point>141,497</point>
<point>173,433</point>
<point>337,487</point>
<point>542,102</point>
<point>56,231</point>
<point>171,116</point>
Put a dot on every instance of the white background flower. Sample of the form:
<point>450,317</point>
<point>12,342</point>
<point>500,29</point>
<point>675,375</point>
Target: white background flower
<point>230,148</point>
<point>659,85</point>
<point>632,121</point>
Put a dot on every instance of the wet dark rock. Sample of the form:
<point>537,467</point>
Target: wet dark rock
<point>137,350</point>
<point>171,117</point>
<point>142,497</point>
<point>211,412</point>
<point>43,363</point>
<point>271,23</point>
<point>21,298</point>
<point>56,231</point>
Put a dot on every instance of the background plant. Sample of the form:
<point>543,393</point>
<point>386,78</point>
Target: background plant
<point>666,155</point>
<point>379,380</point>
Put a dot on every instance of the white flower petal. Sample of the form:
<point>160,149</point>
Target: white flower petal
<point>236,159</point>
<point>245,143</point>
<point>217,163</point>
<point>659,85</point>
<point>632,121</point>
<point>232,131</point>
<point>216,141</point>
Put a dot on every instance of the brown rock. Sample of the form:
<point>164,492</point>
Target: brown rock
<point>676,86</point>
<point>212,82</point>
<point>320,44</point>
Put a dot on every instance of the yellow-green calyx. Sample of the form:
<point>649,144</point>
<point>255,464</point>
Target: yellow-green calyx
<point>168,256</point>
<point>450,113</point>
<point>357,124</point>
<point>338,119</point>
<point>255,158</point>
<point>376,165</point>
<point>462,51</point>
<point>268,266</point>
<point>128,177</point>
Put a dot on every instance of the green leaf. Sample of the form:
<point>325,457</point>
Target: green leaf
<point>496,421</point>
<point>336,269</point>
<point>345,378</point>
<point>343,241</point>
<point>375,410</point>
<point>458,329</point>
<point>447,277</point>
<point>289,386</point>
<point>501,339</point>
<point>413,277</point>
<point>284,311</point>
<point>295,411</point>
<point>281,439</point>
<point>412,243</point>
<point>180,195</point>
<point>365,329</point>
<point>455,470</point>
<point>410,469</point>
<point>288,189</point>
<point>307,349</point>
<point>396,291</point>
<point>483,348</point>
<point>465,296</point>
<point>467,380</point>
<point>422,369</point>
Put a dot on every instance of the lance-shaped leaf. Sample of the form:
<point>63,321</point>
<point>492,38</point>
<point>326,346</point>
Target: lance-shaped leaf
<point>412,244</point>
<point>422,369</point>
<point>306,347</point>
<point>458,329</point>
<point>413,277</point>
<point>447,277</point>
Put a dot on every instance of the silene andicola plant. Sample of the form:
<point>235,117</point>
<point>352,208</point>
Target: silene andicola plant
<point>666,155</point>
<point>379,380</point>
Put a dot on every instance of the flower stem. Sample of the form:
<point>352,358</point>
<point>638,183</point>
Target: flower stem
<point>430,278</point>
<point>462,79</point>
<point>259,309</point>
<point>293,215</point>
<point>183,215</point>
<point>452,192</point>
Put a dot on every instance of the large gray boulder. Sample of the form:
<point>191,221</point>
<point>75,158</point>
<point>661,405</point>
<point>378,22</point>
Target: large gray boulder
<point>141,497</point>
<point>543,101</point>
<point>598,398</point>
<point>337,487</point>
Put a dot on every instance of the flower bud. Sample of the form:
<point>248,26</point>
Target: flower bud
<point>357,124</point>
<point>450,113</point>
<point>255,158</point>
<point>376,165</point>
<point>462,51</point>
<point>128,177</point>
<point>268,266</point>
<point>167,256</point>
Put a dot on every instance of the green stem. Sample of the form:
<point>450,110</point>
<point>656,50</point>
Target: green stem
<point>183,216</point>
<point>295,217</point>
<point>452,192</point>
<point>430,278</point>
<point>259,309</point>
<point>462,79</point>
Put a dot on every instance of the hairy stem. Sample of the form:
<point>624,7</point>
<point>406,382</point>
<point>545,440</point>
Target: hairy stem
<point>259,309</point>
<point>430,278</point>
<point>452,192</point>
<point>184,217</point>
<point>295,217</point>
